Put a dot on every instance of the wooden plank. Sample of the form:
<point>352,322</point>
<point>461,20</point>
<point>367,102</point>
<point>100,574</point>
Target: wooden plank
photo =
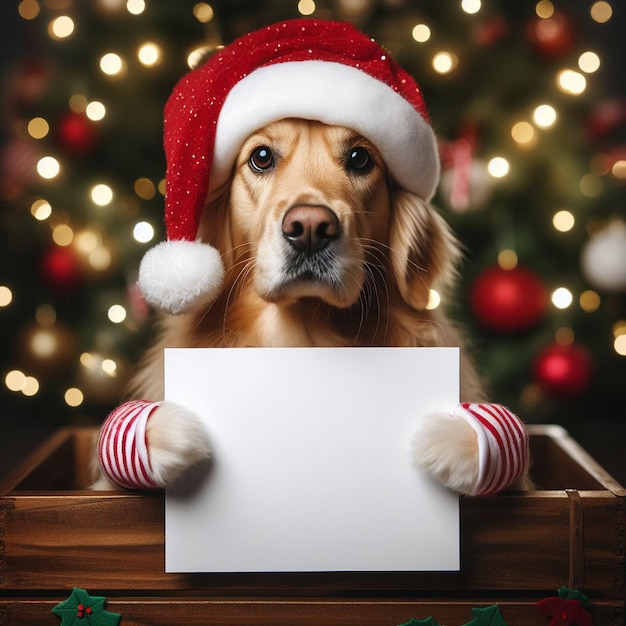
<point>275,612</point>
<point>115,540</point>
<point>560,458</point>
<point>50,466</point>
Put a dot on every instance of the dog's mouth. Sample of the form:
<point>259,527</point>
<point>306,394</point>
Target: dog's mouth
<point>310,257</point>
<point>323,276</point>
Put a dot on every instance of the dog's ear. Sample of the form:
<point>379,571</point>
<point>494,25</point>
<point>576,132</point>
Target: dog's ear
<point>423,250</point>
<point>214,228</point>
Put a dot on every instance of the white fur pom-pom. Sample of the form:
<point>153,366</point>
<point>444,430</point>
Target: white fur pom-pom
<point>179,276</point>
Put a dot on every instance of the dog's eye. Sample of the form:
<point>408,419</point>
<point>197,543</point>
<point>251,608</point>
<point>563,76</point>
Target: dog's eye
<point>360,160</point>
<point>261,159</point>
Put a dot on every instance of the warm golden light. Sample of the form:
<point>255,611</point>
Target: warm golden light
<point>564,336</point>
<point>306,7</point>
<point>601,12</point>
<point>100,258</point>
<point>591,186</point>
<point>38,128</point>
<point>507,259</point>
<point>498,167</point>
<point>78,103</point>
<point>571,82</point>
<point>470,6</point>
<point>434,299</point>
<point>421,33</point>
<point>62,235</point>
<point>136,7</point>
<point>43,343</point>
<point>143,232</point>
<point>149,54</point>
<point>6,296</point>
<point>544,9</point>
<point>444,62</point>
<point>101,194</point>
<point>195,57</point>
<point>29,9</point>
<point>117,313</point>
<point>61,27</point>
<point>109,366</point>
<point>589,62</point>
<point>620,345</point>
<point>112,64</point>
<point>95,111</point>
<point>86,241</point>
<point>563,221</point>
<point>618,170</point>
<point>144,188</point>
<point>544,116</point>
<point>48,167</point>
<point>524,134</point>
<point>30,387</point>
<point>15,380</point>
<point>562,298</point>
<point>41,210</point>
<point>74,397</point>
<point>203,12</point>
<point>589,301</point>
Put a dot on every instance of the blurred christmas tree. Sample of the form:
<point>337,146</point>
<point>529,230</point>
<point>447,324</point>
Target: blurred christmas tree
<point>534,167</point>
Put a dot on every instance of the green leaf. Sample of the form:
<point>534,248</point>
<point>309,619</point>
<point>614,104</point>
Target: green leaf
<point>573,594</point>
<point>81,609</point>
<point>489,616</point>
<point>429,621</point>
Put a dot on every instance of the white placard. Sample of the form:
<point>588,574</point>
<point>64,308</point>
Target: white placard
<point>311,465</point>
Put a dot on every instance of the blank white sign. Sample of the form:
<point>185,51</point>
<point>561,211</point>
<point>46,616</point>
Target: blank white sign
<point>311,465</point>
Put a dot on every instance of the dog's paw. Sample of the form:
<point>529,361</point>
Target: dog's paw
<point>143,445</point>
<point>446,446</point>
<point>176,441</point>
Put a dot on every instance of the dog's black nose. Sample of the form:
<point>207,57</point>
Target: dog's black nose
<point>309,229</point>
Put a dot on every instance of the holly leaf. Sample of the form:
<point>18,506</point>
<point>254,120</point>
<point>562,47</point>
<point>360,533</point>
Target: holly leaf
<point>81,609</point>
<point>489,616</point>
<point>429,621</point>
<point>573,594</point>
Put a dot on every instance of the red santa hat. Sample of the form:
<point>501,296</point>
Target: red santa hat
<point>304,68</point>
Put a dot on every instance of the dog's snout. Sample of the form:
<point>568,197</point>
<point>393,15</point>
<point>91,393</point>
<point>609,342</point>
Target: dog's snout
<point>309,229</point>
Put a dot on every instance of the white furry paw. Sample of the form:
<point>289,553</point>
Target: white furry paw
<point>143,445</point>
<point>446,446</point>
<point>176,441</point>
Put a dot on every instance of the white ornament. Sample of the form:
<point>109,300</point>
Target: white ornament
<point>603,258</point>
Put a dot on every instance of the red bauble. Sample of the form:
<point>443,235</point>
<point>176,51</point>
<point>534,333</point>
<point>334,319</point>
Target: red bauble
<point>563,370</point>
<point>59,269</point>
<point>508,301</point>
<point>76,134</point>
<point>553,36</point>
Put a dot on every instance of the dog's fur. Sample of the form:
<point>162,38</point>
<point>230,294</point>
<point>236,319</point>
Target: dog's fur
<point>369,285</point>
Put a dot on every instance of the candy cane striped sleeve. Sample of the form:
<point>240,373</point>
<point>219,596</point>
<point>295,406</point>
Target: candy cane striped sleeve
<point>502,445</point>
<point>122,449</point>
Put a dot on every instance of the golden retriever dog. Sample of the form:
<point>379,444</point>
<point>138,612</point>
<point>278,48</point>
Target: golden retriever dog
<point>321,248</point>
<point>300,164</point>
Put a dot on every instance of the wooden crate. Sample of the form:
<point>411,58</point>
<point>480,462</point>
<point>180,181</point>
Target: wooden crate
<point>516,548</point>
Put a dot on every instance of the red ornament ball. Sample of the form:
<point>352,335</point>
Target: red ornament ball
<point>76,134</point>
<point>563,370</point>
<point>60,269</point>
<point>508,301</point>
<point>553,36</point>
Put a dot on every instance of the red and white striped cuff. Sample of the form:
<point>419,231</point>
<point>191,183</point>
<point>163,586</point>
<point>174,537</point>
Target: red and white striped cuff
<point>122,449</point>
<point>502,445</point>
